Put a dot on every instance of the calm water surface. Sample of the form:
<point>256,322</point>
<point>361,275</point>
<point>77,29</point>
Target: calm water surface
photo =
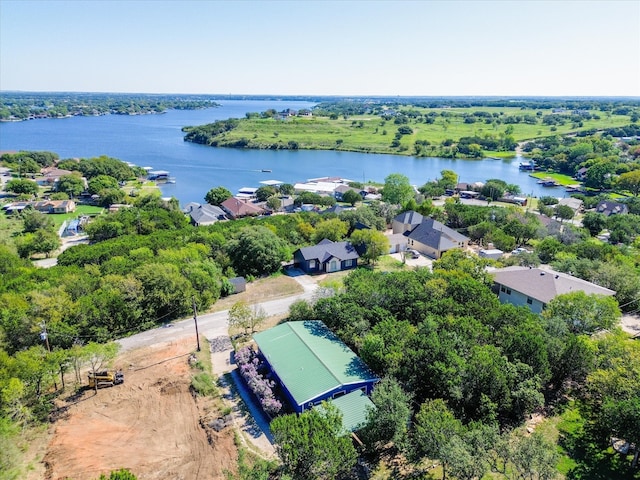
<point>157,141</point>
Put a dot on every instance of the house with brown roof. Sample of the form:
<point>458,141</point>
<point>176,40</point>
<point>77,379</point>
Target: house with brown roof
<point>238,208</point>
<point>535,287</point>
<point>44,206</point>
<point>51,175</point>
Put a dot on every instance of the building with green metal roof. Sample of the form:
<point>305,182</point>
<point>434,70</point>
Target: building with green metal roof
<point>311,364</point>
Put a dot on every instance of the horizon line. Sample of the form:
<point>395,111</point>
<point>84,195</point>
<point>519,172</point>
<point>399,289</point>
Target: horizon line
<point>282,95</point>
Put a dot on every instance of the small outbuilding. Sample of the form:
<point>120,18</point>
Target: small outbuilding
<point>239,284</point>
<point>492,253</point>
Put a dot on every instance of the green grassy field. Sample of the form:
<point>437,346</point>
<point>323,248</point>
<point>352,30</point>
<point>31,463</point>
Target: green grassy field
<point>366,133</point>
<point>58,219</point>
<point>558,177</point>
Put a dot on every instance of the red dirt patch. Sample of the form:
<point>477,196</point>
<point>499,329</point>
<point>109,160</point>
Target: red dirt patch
<point>150,425</point>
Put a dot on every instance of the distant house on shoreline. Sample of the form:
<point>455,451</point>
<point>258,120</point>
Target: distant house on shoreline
<point>238,208</point>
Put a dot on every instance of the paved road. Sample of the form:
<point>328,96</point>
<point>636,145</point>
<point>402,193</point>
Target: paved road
<point>212,325</point>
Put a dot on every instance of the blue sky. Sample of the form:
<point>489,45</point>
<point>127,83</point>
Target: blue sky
<point>362,47</point>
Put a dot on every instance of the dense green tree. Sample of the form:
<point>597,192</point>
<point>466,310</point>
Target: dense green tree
<point>274,203</point>
<point>332,229</point>
<point>501,240</point>
<point>111,196</point>
<point>72,185</point>
<point>548,200</point>
<point>448,179</point>
<point>103,165</point>
<point>389,420</point>
<point>241,315</point>
<point>313,445</point>
<point>434,426</point>
<point>352,197</point>
<point>547,249</point>
<point>286,189</point>
<point>600,175</point>
<point>365,215</point>
<point>629,181</point>
<point>217,195</point>
<point>166,291</point>
<point>21,186</point>
<point>431,190</point>
<point>594,222</point>
<point>264,192</point>
<point>494,189</point>
<point>372,243</point>
<point>34,220</point>
<point>40,241</point>
<point>397,189</point>
<point>384,347</point>
<point>533,457</point>
<point>122,474</point>
<point>102,182</point>
<point>257,251</point>
<point>564,212</point>
<point>584,313</point>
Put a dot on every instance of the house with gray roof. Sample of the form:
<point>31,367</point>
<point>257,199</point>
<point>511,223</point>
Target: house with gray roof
<point>535,287</point>
<point>311,365</point>
<point>406,221</point>
<point>326,256</point>
<point>434,238</point>
<point>204,214</point>
<point>608,208</point>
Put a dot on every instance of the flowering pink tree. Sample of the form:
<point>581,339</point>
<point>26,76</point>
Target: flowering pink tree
<point>249,365</point>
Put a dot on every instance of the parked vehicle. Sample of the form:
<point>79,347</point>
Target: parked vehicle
<point>520,250</point>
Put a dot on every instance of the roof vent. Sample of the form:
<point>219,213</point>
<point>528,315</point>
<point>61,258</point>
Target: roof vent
<point>557,276</point>
<point>541,273</point>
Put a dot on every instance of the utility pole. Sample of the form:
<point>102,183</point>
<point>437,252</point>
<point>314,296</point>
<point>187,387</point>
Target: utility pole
<point>195,319</point>
<point>44,335</point>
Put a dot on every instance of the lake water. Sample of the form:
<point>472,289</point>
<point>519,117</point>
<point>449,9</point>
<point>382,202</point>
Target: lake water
<point>157,141</point>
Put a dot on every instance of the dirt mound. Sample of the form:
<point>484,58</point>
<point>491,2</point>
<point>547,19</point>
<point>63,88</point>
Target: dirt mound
<point>151,425</point>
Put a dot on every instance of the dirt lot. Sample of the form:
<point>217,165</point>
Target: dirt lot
<point>150,425</point>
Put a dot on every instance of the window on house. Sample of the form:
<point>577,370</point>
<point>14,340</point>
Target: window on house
<point>312,264</point>
<point>508,291</point>
<point>348,263</point>
<point>529,300</point>
<point>502,289</point>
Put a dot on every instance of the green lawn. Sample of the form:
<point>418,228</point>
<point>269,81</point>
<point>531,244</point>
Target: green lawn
<point>558,177</point>
<point>58,219</point>
<point>375,134</point>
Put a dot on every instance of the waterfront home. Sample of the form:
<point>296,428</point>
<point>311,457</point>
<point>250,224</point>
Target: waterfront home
<point>204,214</point>
<point>237,208</point>
<point>574,203</point>
<point>51,175</point>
